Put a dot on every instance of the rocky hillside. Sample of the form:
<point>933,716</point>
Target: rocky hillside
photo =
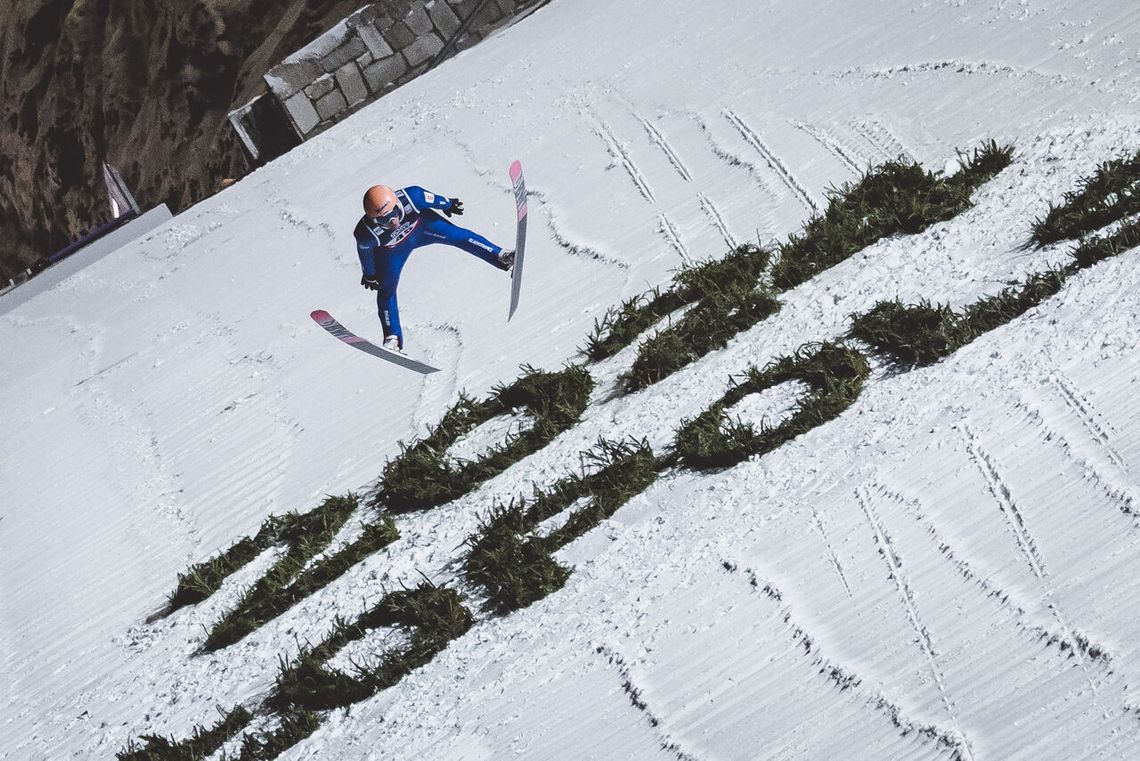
<point>143,84</point>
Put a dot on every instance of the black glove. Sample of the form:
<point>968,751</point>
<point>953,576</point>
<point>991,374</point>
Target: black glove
<point>455,207</point>
<point>370,282</point>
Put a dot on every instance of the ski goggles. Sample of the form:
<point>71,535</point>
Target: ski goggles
<point>387,218</point>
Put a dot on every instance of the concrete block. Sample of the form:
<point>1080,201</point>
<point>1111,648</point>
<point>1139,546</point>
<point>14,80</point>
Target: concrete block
<point>374,41</point>
<point>384,72</point>
<point>464,8</point>
<point>287,79</point>
<point>351,83</point>
<point>352,48</point>
<point>321,87</point>
<point>419,21</point>
<point>331,105</point>
<point>363,17</point>
<point>487,19</point>
<point>400,36</point>
<point>444,19</point>
<point>423,49</point>
<point>302,113</point>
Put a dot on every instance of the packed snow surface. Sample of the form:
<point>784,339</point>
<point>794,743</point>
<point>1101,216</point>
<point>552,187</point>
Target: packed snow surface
<point>950,569</point>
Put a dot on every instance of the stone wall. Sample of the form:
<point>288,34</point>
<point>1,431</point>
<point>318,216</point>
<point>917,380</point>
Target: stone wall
<point>376,49</point>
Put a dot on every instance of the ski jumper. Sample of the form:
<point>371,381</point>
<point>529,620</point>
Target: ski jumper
<point>383,251</point>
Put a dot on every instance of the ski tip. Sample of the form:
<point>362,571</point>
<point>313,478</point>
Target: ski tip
<point>516,169</point>
<point>319,315</point>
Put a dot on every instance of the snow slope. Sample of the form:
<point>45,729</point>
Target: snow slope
<point>949,569</point>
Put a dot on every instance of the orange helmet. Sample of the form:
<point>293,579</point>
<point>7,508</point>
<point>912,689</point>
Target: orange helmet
<point>380,205</point>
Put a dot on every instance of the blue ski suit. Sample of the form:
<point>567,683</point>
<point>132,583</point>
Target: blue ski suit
<point>384,251</point>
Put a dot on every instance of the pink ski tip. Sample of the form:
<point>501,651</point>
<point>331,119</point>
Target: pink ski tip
<point>320,315</point>
<point>515,170</point>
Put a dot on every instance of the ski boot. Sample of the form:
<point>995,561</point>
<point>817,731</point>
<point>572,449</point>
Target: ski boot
<point>507,259</point>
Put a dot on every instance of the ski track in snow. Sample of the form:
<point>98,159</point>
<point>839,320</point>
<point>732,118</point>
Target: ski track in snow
<point>1012,514</point>
<point>187,229</point>
<point>623,157</point>
<point>661,142</point>
<point>1118,489</point>
<point>842,154</point>
<point>817,524</point>
<point>481,170</point>
<point>295,217</point>
<point>999,490</point>
<point>669,231</point>
<point>969,68</point>
<point>559,237</point>
<point>102,373</point>
<point>708,206</point>
<point>1006,599</point>
<point>891,557</point>
<point>717,220</point>
<point>778,167</point>
<point>1093,421</point>
<point>620,157</point>
<point>733,160</point>
<point>843,677</point>
<point>565,243</point>
<point>434,390</point>
<point>162,486</point>
<point>138,442</point>
<point>636,698</point>
<point>884,141</point>
<point>232,421</point>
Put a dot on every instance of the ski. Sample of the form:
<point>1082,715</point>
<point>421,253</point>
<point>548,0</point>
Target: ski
<point>329,323</point>
<point>520,234</point>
